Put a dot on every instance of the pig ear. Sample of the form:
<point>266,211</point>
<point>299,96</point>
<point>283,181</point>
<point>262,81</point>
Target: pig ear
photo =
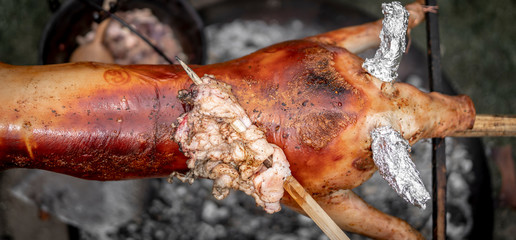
<point>391,157</point>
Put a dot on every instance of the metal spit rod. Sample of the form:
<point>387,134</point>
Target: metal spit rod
<point>438,144</point>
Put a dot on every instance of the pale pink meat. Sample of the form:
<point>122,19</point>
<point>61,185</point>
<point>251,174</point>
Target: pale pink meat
<point>223,145</point>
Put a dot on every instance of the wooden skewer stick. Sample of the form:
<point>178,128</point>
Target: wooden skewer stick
<point>310,206</point>
<point>195,78</point>
<point>291,185</point>
<point>490,126</point>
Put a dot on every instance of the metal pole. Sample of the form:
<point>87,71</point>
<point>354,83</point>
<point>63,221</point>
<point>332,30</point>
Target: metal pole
<point>438,144</point>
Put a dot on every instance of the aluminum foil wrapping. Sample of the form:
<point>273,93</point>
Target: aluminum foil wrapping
<point>384,65</point>
<point>391,156</point>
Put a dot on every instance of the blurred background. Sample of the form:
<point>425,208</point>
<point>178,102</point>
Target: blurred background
<point>478,58</point>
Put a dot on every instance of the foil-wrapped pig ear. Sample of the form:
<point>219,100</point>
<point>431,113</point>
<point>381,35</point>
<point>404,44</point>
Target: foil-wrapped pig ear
<point>391,156</point>
<point>384,65</point>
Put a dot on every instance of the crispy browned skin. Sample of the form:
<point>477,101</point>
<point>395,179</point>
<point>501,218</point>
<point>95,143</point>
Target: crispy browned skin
<point>90,120</point>
<point>311,97</point>
<point>110,122</point>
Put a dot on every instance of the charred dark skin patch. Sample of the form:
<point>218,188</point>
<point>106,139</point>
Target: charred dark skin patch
<point>321,119</point>
<point>318,129</point>
<point>321,75</point>
<point>363,164</point>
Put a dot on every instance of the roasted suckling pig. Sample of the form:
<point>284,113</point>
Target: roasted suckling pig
<point>310,97</point>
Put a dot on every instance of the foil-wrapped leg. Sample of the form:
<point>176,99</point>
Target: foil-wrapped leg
<point>384,65</point>
<point>391,156</point>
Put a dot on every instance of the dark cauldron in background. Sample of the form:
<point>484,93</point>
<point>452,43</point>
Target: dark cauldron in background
<point>74,18</point>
